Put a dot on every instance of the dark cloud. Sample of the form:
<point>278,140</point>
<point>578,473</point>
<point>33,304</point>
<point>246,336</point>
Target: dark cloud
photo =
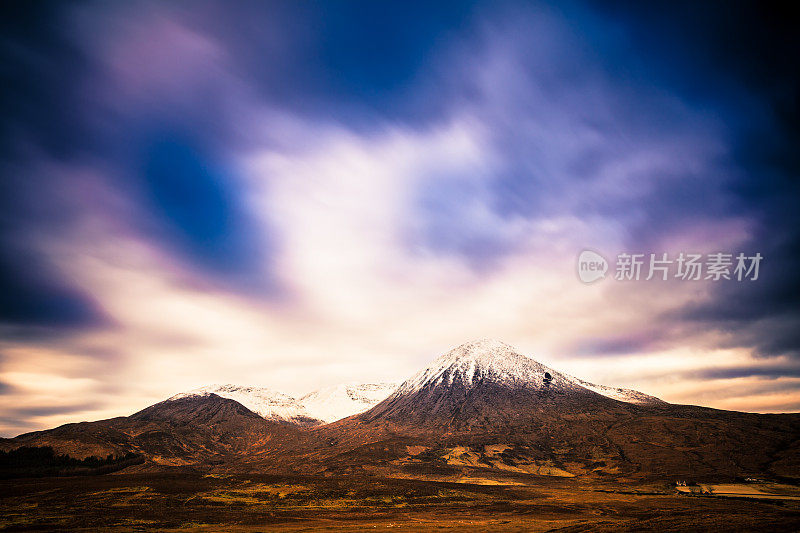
<point>37,101</point>
<point>40,100</point>
<point>49,410</point>
<point>737,61</point>
<point>32,290</point>
<point>31,295</point>
<point>20,418</point>
<point>770,372</point>
<point>360,63</point>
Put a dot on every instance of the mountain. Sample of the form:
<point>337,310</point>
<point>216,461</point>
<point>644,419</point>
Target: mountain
<point>193,430</point>
<point>485,385</point>
<point>480,409</point>
<point>484,406</point>
<point>269,404</point>
<point>315,408</point>
<point>340,401</point>
<point>489,361</point>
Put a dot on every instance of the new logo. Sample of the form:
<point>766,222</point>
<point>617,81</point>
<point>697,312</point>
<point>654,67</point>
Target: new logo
<point>591,266</point>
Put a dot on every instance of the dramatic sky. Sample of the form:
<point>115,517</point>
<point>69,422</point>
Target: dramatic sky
<point>296,194</point>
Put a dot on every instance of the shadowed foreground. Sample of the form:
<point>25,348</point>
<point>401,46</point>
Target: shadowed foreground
<point>188,500</point>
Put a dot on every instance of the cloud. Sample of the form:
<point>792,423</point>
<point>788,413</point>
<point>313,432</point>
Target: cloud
<point>287,197</point>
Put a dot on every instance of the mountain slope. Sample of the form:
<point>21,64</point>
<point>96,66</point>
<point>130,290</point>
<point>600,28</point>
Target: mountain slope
<point>622,395</point>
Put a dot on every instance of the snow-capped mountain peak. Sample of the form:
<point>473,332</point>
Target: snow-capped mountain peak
<point>486,359</point>
<point>497,362</point>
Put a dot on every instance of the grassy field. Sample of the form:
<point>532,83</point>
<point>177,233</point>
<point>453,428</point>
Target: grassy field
<point>197,502</point>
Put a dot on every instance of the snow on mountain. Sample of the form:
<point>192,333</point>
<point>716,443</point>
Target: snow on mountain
<point>270,404</point>
<point>498,362</point>
<point>486,359</point>
<point>322,406</point>
<point>340,401</point>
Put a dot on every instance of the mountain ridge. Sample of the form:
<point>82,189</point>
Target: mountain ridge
<point>481,407</point>
<point>315,408</point>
